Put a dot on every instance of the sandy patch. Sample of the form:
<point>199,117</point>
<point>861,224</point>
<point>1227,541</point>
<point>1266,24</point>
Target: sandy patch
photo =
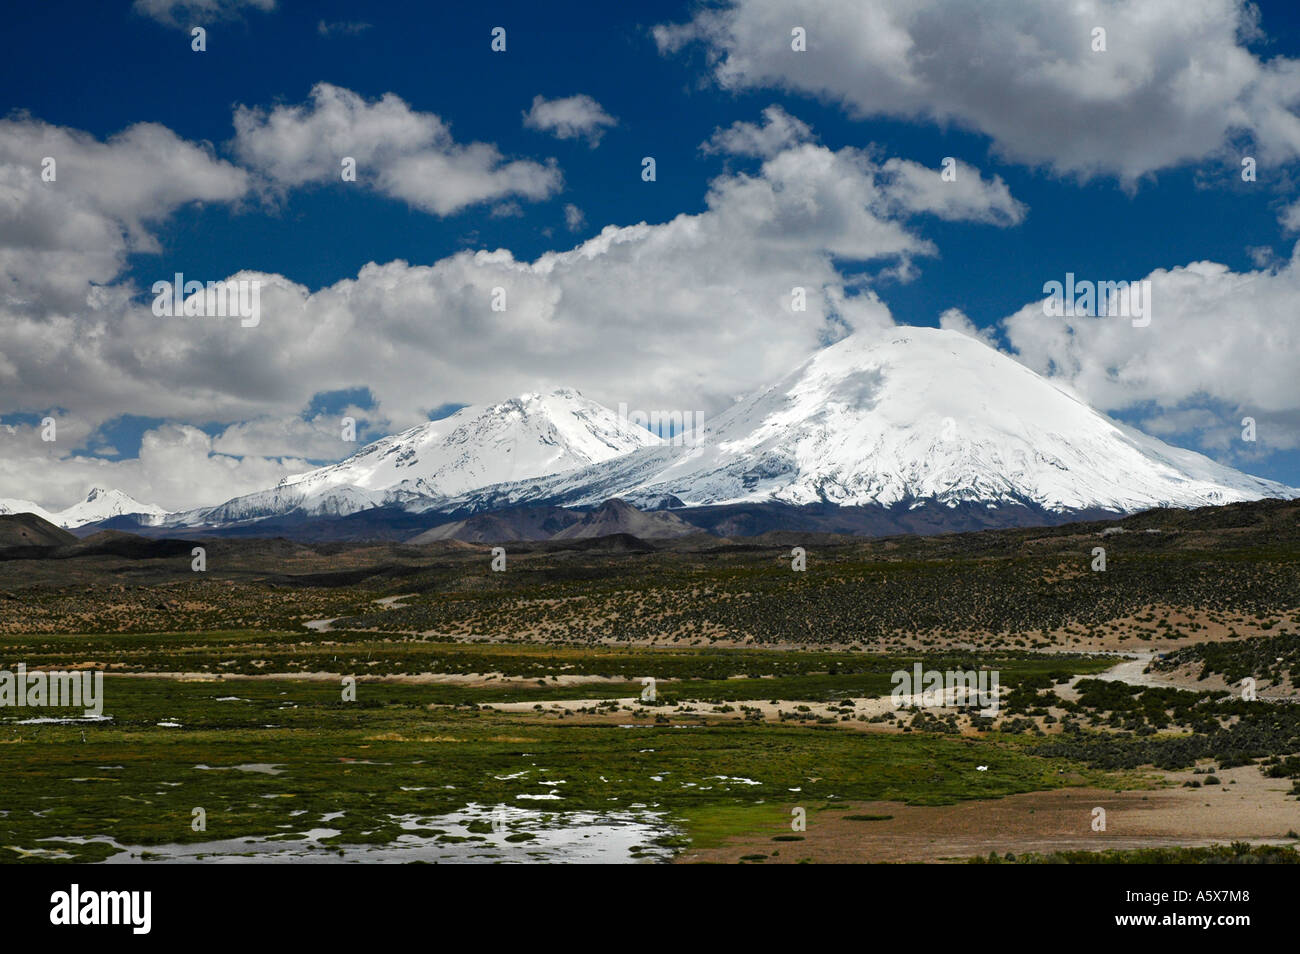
<point>1255,809</point>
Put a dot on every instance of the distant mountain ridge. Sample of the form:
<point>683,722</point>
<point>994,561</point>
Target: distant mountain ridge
<point>99,505</point>
<point>903,430</point>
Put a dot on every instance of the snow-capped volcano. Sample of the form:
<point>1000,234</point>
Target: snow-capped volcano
<point>903,416</point>
<point>100,504</point>
<point>533,435</point>
<point>528,436</point>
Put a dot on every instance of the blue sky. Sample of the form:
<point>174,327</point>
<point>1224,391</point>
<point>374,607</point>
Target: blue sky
<point>101,67</point>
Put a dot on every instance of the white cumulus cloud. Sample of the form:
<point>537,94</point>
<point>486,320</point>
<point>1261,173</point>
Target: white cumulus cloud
<point>398,151</point>
<point>1218,341</point>
<point>1177,82</point>
<point>62,230</point>
<point>571,117</point>
<point>778,131</point>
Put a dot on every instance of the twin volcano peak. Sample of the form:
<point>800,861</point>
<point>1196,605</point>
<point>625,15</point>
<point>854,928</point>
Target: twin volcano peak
<point>903,417</point>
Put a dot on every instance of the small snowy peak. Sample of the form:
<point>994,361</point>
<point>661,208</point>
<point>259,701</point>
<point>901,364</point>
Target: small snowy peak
<point>101,504</point>
<point>533,435</point>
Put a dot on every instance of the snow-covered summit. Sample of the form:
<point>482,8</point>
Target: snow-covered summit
<point>913,414</point>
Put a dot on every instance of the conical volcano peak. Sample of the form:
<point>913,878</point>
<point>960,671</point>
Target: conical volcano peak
<point>898,416</point>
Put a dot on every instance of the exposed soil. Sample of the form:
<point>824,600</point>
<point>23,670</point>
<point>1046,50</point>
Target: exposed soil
<point>1254,809</point>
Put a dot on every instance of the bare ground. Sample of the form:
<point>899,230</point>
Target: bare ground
<point>1254,809</point>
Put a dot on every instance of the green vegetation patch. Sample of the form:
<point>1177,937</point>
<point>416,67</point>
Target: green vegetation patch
<point>268,757</point>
